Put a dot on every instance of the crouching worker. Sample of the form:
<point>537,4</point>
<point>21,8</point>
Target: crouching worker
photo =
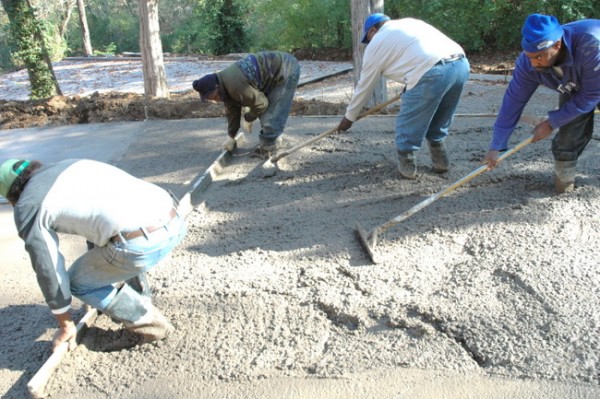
<point>131,223</point>
<point>265,82</point>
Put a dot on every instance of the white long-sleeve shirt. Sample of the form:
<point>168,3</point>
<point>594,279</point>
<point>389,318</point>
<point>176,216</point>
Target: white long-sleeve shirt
<point>402,50</point>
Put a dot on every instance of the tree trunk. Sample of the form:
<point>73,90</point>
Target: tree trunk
<point>155,78</point>
<point>26,32</point>
<point>360,10</point>
<point>85,32</point>
<point>66,18</point>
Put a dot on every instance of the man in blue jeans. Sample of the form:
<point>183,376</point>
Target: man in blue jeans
<point>129,224</point>
<point>565,58</point>
<point>264,82</point>
<point>433,69</point>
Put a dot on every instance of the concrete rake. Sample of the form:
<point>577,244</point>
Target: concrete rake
<point>369,239</point>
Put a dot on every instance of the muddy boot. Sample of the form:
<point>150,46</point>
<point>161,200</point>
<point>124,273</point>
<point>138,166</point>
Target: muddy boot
<point>564,176</point>
<point>407,165</point>
<point>439,157</point>
<point>138,315</point>
<point>271,145</point>
<point>268,148</point>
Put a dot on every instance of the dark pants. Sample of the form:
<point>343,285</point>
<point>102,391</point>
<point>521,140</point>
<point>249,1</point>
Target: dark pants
<point>572,138</point>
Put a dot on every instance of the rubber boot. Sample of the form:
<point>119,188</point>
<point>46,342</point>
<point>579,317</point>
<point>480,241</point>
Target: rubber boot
<point>564,176</point>
<point>439,157</point>
<point>138,315</point>
<point>407,165</point>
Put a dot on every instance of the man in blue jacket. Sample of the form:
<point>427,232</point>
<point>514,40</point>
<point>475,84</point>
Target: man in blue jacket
<point>566,59</point>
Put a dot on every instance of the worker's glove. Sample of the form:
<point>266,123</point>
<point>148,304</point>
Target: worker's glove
<point>249,117</point>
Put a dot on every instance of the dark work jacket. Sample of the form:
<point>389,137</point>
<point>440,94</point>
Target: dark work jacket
<point>248,82</point>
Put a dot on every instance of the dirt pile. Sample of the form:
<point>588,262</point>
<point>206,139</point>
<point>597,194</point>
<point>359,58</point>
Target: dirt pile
<point>117,107</point>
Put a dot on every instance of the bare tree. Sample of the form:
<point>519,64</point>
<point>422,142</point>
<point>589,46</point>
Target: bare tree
<point>360,10</point>
<point>155,78</point>
<point>85,32</point>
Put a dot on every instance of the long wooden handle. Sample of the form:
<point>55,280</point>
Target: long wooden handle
<point>368,112</point>
<point>406,214</point>
<point>37,384</point>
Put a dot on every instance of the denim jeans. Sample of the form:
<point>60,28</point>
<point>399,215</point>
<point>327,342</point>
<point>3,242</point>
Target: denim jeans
<point>93,274</point>
<point>572,138</point>
<point>280,98</point>
<point>427,110</point>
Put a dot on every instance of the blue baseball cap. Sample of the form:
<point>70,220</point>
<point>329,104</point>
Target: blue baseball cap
<point>372,20</point>
<point>540,32</point>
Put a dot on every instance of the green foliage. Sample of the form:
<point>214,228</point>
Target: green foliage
<point>55,45</point>
<point>26,31</point>
<point>6,44</point>
<point>223,26</point>
<point>108,50</point>
<point>488,24</point>
<point>110,22</point>
<point>224,30</point>
<point>231,37</point>
<point>214,27</point>
<point>287,25</point>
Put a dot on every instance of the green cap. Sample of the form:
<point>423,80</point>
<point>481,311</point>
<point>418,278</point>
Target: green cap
<point>8,175</point>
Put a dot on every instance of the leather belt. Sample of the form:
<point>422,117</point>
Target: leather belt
<point>451,58</point>
<point>142,230</point>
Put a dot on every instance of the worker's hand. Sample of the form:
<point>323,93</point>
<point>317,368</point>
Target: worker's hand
<point>491,159</point>
<point>344,125</point>
<point>249,117</point>
<point>541,131</point>
<point>67,331</point>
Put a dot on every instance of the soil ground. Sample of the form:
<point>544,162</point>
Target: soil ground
<point>122,104</point>
<point>489,292</point>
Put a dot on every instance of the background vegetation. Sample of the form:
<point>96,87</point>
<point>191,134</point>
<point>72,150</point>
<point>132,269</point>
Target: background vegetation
<point>224,26</point>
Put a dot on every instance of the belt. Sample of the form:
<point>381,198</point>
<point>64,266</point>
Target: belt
<point>451,58</point>
<point>130,235</point>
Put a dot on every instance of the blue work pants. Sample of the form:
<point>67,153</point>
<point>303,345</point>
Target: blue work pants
<point>427,110</point>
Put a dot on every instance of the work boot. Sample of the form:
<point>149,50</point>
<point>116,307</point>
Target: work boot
<point>271,145</point>
<point>407,165</point>
<point>439,157</point>
<point>138,315</point>
<point>268,148</point>
<point>564,176</point>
